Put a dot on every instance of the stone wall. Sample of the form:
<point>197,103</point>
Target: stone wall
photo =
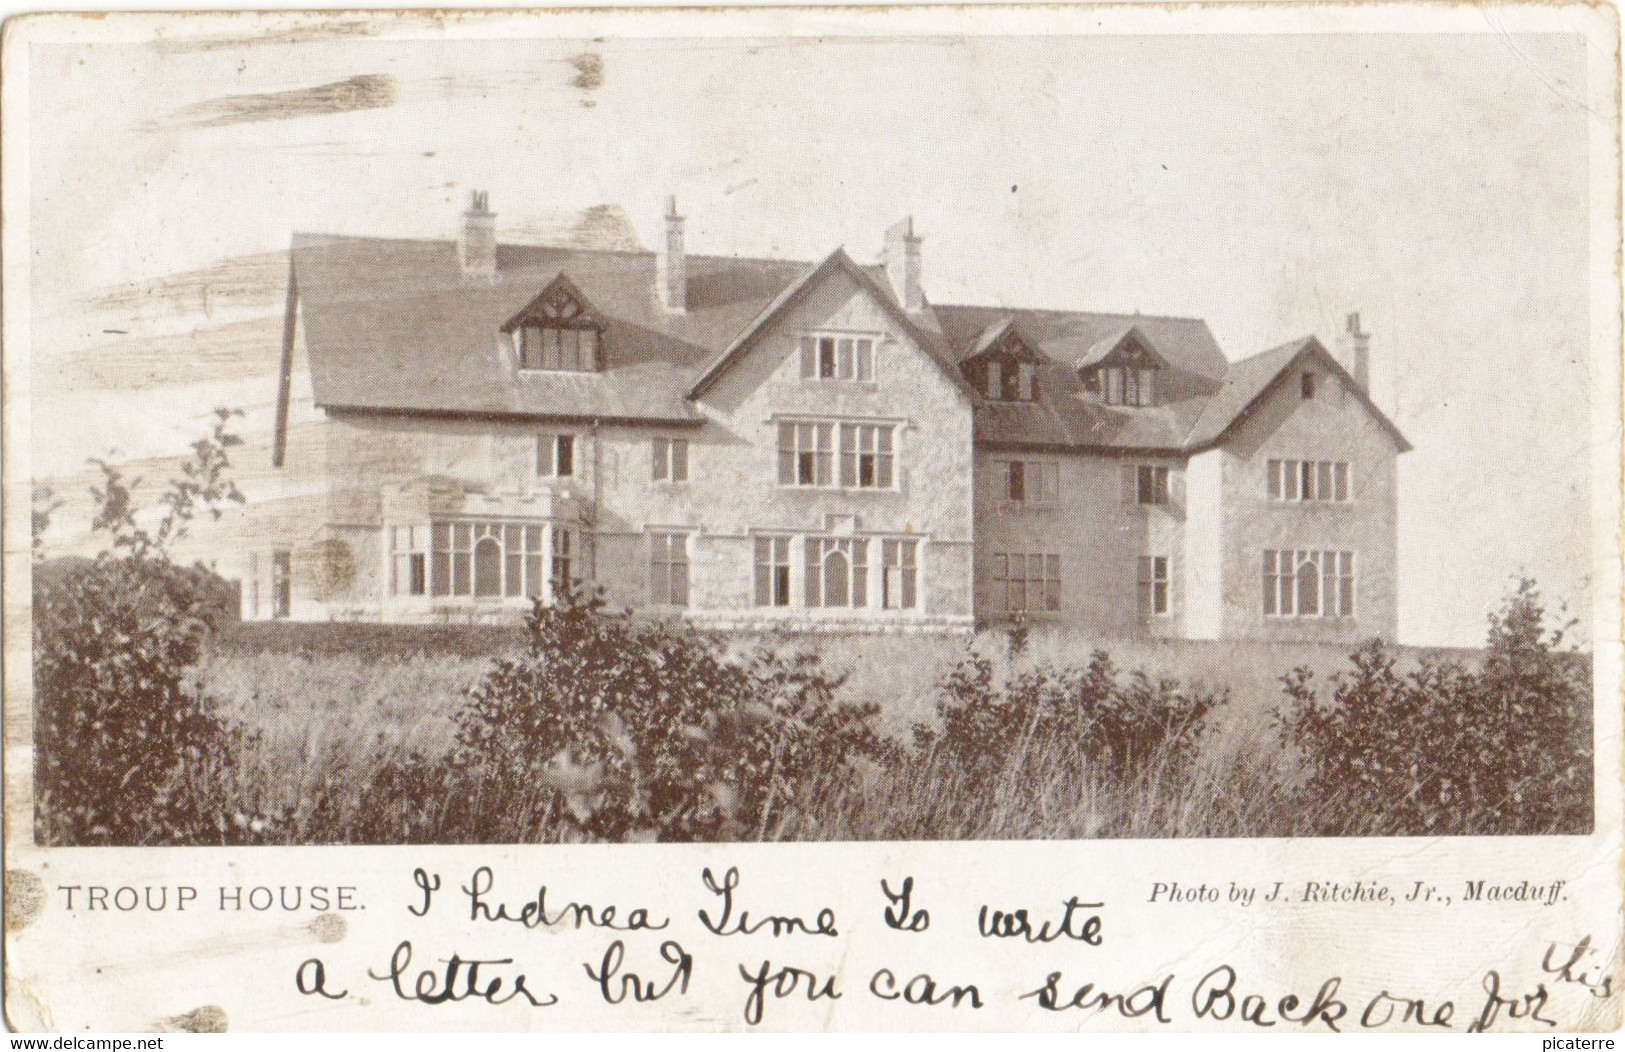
<point>1334,425</point>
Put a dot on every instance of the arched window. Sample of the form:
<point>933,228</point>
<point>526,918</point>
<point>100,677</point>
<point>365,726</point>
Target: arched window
<point>1308,588</point>
<point>837,572</point>
<point>836,577</point>
<point>488,567</point>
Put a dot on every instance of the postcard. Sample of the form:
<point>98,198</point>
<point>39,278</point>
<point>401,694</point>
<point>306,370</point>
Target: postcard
<point>1097,518</point>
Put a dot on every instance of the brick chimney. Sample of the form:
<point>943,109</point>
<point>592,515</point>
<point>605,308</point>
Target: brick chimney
<point>671,265</point>
<point>903,266</point>
<point>478,249</point>
<point>1357,353</point>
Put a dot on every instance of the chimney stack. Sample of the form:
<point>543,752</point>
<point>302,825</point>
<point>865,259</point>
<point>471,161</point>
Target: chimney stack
<point>478,249</point>
<point>903,266</point>
<point>1359,352</point>
<point>671,267</point>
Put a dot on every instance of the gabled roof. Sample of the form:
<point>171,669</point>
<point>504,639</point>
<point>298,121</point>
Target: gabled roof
<point>797,291</point>
<point>1004,332</point>
<point>1065,416</point>
<point>1067,335</point>
<point>1106,347</point>
<point>394,326</point>
<point>535,308</point>
<point>1252,378</point>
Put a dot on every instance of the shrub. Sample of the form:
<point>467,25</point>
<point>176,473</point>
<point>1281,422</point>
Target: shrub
<point>1446,749</point>
<point>125,744</point>
<point>1115,724</point>
<point>607,728</point>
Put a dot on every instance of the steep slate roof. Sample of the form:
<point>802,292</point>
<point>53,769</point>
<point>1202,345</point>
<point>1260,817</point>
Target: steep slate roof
<point>1249,380</point>
<point>1102,350</point>
<point>802,286</point>
<point>393,326</point>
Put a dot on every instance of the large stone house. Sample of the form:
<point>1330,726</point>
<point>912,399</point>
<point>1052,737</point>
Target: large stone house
<point>762,442</point>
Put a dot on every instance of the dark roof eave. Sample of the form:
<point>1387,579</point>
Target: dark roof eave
<point>513,416</point>
<point>1100,448</point>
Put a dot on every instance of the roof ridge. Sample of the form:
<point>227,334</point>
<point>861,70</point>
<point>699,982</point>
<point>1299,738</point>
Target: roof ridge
<point>724,257</point>
<point>1068,310</point>
<point>376,237</point>
<point>1294,345</point>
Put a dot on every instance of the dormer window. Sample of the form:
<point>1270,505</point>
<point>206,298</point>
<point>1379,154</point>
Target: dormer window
<point>558,332</point>
<point>1122,369</point>
<point>1128,385</point>
<point>1003,366</point>
<point>1010,381</point>
<point>557,349</point>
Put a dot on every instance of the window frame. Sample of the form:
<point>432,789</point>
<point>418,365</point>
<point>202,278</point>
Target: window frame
<point>866,446</point>
<point>1153,586</point>
<point>1040,483</point>
<point>669,563</point>
<point>875,444</point>
<point>1291,481</point>
<point>281,584</point>
<point>557,451</point>
<point>1131,386</point>
<point>1006,378</point>
<point>852,356</point>
<point>777,570</point>
<point>669,459</point>
<point>408,560</point>
<point>561,561</point>
<point>900,555</point>
<point>819,551</point>
<point>1159,489</point>
<point>1333,583</point>
<point>558,348</point>
<point>1004,581</point>
<point>452,546</point>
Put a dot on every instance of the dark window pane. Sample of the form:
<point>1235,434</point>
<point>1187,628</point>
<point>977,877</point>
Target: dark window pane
<point>441,576</point>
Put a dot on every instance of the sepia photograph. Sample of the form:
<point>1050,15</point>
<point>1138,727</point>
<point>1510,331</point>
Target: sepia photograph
<point>531,441</point>
<point>915,518</point>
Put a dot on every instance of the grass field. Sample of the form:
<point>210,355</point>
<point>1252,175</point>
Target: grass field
<point>334,704</point>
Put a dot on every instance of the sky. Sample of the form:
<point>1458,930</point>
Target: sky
<point>1268,184</point>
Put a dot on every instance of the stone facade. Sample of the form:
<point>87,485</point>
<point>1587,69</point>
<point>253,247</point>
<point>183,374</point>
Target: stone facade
<point>485,470</point>
<point>1335,426</point>
<point>750,488</point>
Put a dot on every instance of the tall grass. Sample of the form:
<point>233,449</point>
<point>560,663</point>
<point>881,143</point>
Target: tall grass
<point>333,731</point>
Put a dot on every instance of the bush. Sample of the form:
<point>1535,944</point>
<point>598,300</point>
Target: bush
<point>607,728</point>
<point>128,750</point>
<point>1445,749</point>
<point>1116,725</point>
